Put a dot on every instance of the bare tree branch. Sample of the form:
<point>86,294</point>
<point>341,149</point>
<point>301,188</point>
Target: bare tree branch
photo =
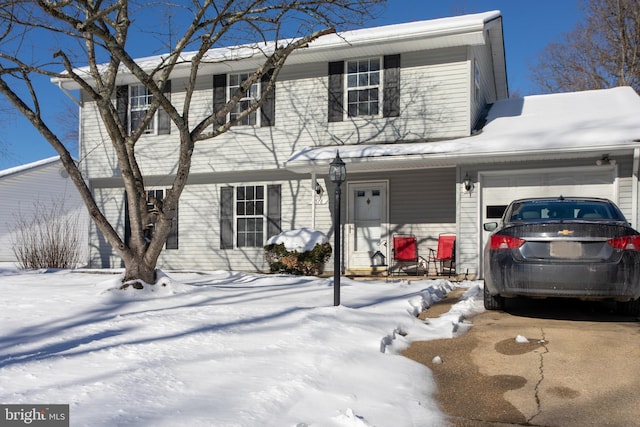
<point>601,52</point>
<point>94,54</point>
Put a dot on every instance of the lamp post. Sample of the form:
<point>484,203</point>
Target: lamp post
<point>337,175</point>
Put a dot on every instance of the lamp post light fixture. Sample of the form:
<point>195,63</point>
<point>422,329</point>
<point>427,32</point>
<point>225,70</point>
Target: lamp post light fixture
<point>337,175</point>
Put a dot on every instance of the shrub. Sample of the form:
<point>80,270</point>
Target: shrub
<point>309,263</point>
<point>47,237</point>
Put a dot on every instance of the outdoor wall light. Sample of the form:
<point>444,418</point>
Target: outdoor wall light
<point>337,175</point>
<point>467,182</point>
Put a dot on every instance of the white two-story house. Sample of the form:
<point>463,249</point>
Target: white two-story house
<point>413,109</point>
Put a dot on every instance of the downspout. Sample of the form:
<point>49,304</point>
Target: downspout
<point>634,188</point>
<point>314,183</point>
<point>69,94</point>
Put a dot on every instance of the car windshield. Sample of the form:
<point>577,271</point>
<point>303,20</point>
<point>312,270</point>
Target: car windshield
<point>532,210</point>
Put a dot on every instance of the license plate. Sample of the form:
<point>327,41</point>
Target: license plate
<point>562,249</point>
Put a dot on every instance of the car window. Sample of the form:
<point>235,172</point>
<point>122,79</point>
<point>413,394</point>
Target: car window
<point>562,210</point>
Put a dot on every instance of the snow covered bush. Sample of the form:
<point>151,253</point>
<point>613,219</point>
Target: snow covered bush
<point>302,252</point>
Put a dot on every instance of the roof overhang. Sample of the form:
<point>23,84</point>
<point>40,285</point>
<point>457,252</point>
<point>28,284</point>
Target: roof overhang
<point>467,30</point>
<point>316,160</point>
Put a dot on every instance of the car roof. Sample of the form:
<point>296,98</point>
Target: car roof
<point>563,199</point>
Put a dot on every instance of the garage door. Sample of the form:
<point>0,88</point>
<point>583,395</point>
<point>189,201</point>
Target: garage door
<point>500,188</point>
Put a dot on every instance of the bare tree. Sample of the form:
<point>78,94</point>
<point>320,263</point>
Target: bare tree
<point>601,52</point>
<point>93,37</point>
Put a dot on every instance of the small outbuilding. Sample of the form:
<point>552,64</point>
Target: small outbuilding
<point>38,189</point>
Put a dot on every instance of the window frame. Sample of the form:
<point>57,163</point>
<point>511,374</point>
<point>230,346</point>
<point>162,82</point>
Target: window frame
<point>379,86</point>
<point>252,97</point>
<point>271,214</point>
<point>250,204</point>
<point>152,128</point>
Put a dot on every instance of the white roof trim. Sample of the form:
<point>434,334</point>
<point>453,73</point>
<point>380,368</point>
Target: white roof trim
<point>29,166</point>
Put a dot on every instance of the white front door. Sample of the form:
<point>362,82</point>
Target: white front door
<point>367,222</point>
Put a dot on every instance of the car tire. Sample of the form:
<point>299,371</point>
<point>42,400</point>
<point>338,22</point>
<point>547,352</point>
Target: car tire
<point>631,308</point>
<point>492,302</point>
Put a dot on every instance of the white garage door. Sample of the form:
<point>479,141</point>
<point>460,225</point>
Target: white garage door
<point>500,188</point>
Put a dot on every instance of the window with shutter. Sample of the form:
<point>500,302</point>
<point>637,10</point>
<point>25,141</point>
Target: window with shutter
<point>132,104</point>
<point>368,87</point>
<point>255,213</point>
<point>172,239</point>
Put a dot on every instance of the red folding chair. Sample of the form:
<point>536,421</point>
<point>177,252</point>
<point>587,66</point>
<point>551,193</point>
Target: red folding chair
<point>405,255</point>
<point>445,256</point>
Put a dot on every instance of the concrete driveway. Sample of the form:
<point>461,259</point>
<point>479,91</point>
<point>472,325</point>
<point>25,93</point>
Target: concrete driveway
<point>580,366</point>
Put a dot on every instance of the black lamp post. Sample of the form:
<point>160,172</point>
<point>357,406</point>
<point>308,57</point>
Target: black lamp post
<point>337,175</point>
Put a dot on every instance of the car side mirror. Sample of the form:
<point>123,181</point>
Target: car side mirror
<point>490,226</point>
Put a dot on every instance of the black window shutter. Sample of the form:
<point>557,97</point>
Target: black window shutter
<point>274,221</point>
<point>122,105</point>
<point>268,108</point>
<point>219,95</point>
<point>391,107</point>
<point>336,97</point>
<point>226,218</point>
<point>127,224</point>
<point>172,239</point>
<point>164,122</point>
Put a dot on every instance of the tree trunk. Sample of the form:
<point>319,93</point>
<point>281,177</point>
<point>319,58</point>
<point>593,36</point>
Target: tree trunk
<point>137,269</point>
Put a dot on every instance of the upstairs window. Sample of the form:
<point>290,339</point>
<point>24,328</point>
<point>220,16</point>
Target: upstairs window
<point>225,86</point>
<point>133,103</point>
<point>140,100</point>
<point>363,87</point>
<point>249,99</point>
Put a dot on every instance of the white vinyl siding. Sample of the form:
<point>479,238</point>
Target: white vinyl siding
<point>434,103</point>
<point>45,184</point>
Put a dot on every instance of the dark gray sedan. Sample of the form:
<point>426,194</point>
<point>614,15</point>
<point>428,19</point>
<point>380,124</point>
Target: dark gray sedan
<point>563,247</point>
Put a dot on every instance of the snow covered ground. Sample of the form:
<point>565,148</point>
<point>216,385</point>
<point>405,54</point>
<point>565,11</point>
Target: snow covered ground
<point>223,349</point>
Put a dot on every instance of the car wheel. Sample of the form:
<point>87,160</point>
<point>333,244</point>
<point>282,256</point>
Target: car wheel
<point>492,302</point>
<point>631,308</point>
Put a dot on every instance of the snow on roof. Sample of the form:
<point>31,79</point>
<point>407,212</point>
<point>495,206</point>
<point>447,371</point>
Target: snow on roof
<point>405,32</point>
<point>28,166</point>
<point>573,122</point>
<point>421,29</point>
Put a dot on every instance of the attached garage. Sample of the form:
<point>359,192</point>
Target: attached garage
<point>498,189</point>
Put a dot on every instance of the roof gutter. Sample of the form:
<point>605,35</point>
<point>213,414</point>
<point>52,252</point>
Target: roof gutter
<point>69,94</point>
<point>442,160</point>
